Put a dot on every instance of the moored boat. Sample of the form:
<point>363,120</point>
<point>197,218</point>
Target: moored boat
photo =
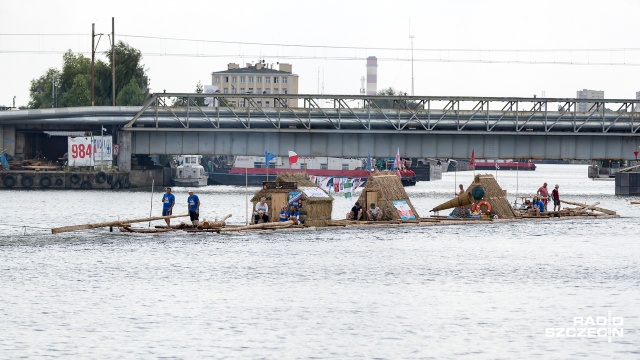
<point>189,172</point>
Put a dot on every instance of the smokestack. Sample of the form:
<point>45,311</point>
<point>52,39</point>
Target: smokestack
<point>372,75</point>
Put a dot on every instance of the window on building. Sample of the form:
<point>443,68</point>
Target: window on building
<point>242,79</point>
<point>275,79</point>
<point>259,79</point>
<point>234,91</point>
<point>226,79</point>
<point>259,103</point>
<point>234,79</point>
<point>226,91</point>
<point>216,79</point>
<point>267,80</point>
<point>233,103</point>
<point>266,104</point>
<point>250,79</point>
<point>284,79</point>
<point>242,103</point>
<point>275,91</point>
<point>250,91</point>
<point>324,166</point>
<point>285,91</point>
<point>259,91</point>
<point>267,91</point>
<point>345,166</point>
<point>241,90</point>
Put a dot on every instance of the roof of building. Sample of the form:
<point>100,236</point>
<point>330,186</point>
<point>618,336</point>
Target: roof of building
<point>252,70</point>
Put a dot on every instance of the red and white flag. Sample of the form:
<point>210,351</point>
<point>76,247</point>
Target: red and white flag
<point>396,162</point>
<point>472,163</point>
<point>293,157</point>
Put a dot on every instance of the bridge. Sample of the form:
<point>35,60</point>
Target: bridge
<point>355,126</point>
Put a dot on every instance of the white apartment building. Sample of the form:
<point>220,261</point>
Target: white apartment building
<point>257,78</point>
<point>588,94</point>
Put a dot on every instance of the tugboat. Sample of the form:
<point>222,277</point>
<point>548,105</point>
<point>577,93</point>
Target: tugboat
<point>189,172</point>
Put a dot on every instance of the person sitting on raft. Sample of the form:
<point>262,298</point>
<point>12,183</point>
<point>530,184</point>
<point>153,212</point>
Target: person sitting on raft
<point>537,206</point>
<point>374,213</point>
<point>284,214</point>
<point>355,213</point>
<point>294,215</point>
<point>262,211</point>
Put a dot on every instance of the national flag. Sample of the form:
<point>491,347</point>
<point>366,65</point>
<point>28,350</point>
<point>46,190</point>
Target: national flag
<point>293,157</point>
<point>497,166</point>
<point>347,195</point>
<point>472,163</point>
<point>268,157</point>
<point>396,162</point>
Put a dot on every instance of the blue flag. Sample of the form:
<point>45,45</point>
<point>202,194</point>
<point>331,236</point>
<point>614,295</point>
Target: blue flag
<point>5,163</point>
<point>268,157</point>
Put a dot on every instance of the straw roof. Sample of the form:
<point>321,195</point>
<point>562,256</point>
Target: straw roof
<point>494,195</point>
<point>389,188</point>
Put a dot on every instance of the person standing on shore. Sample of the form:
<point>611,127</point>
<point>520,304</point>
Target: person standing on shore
<point>168,200</point>
<point>194,208</point>
<point>555,195</point>
<point>543,193</point>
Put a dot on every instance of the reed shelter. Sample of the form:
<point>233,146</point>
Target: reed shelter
<point>384,188</point>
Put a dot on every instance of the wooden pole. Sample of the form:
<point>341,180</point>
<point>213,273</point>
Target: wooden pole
<point>110,223</point>
<point>591,207</point>
<point>269,225</point>
<point>151,205</point>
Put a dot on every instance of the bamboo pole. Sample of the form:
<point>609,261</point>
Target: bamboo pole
<point>591,207</point>
<point>269,225</point>
<point>110,223</point>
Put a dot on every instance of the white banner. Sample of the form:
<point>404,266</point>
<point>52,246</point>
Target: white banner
<point>85,151</point>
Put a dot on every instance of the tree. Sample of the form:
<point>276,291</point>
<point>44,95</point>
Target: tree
<point>79,94</point>
<point>131,94</point>
<point>44,89</point>
<point>398,103</point>
<point>128,67</point>
<point>183,100</point>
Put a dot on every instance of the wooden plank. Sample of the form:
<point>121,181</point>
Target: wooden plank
<point>591,207</point>
<point>110,223</point>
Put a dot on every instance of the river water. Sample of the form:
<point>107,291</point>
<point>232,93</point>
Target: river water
<point>463,291</point>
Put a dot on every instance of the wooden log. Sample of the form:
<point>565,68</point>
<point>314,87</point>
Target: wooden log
<point>110,223</point>
<point>591,207</point>
<point>269,225</point>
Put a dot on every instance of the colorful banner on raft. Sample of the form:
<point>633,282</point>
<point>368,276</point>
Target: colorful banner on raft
<point>404,210</point>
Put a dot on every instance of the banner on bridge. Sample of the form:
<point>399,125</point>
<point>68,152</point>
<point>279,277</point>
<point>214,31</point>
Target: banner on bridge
<point>85,151</point>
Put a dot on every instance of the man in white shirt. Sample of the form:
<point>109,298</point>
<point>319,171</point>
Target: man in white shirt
<point>262,211</point>
<point>374,212</point>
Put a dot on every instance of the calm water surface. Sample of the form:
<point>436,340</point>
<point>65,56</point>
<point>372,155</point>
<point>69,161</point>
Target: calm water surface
<point>414,292</point>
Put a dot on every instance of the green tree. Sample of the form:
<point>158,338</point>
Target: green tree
<point>130,95</point>
<point>182,101</point>
<point>398,103</point>
<point>79,94</point>
<point>44,90</point>
<point>128,67</point>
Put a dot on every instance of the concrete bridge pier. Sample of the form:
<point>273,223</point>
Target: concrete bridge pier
<point>124,157</point>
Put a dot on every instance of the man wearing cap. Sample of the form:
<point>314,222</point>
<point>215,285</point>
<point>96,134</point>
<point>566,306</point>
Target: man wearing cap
<point>194,208</point>
<point>355,213</point>
<point>374,212</point>
<point>555,195</point>
<point>168,200</point>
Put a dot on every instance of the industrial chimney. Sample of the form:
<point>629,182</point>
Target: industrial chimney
<point>372,75</point>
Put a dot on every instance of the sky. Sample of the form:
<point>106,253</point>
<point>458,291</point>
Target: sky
<point>460,47</point>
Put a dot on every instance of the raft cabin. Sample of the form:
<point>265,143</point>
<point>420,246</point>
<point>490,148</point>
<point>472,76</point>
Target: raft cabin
<point>295,189</point>
<point>483,198</point>
<point>385,190</point>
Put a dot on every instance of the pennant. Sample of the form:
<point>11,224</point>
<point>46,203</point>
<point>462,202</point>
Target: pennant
<point>293,157</point>
<point>472,163</point>
<point>347,195</point>
<point>268,157</point>
<point>396,162</point>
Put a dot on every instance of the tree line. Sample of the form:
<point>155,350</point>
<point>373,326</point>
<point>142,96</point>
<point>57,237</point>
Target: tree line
<point>70,86</point>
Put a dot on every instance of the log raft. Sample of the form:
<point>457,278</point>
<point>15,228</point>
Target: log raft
<point>110,223</point>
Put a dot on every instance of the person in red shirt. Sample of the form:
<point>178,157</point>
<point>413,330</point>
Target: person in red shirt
<point>543,193</point>
<point>555,195</point>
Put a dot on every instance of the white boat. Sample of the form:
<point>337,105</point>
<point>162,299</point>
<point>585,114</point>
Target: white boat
<point>189,172</point>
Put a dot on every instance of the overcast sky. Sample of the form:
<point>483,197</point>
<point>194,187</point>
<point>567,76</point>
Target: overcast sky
<point>509,48</point>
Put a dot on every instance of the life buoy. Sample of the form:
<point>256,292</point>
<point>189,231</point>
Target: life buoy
<point>101,177</point>
<point>58,182</point>
<point>45,182</point>
<point>9,181</point>
<point>478,207</point>
<point>85,185</point>
<point>26,181</point>
<point>75,178</point>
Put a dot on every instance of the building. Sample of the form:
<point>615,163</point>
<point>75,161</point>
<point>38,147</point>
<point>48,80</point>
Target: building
<point>372,75</point>
<point>257,78</point>
<point>588,94</point>
<point>637,106</point>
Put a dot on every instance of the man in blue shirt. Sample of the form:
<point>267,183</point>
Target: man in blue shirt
<point>168,200</point>
<point>537,206</point>
<point>194,208</point>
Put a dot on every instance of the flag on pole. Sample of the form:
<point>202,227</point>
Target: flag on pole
<point>396,162</point>
<point>293,157</point>
<point>472,163</point>
<point>368,165</point>
<point>268,157</point>
<point>497,166</point>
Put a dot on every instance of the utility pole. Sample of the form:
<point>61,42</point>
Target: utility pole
<point>411,37</point>
<point>113,62</point>
<point>93,58</point>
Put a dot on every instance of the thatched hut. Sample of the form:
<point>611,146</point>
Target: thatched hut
<point>314,203</point>
<point>484,188</point>
<point>384,188</point>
